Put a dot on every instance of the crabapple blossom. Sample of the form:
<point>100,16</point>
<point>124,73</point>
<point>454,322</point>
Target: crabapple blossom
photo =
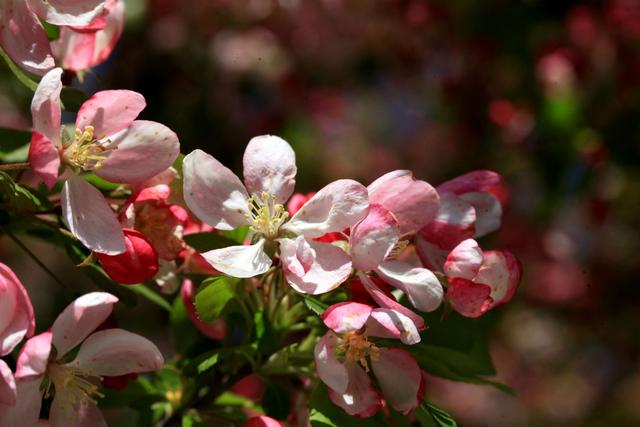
<point>23,37</point>
<point>43,368</point>
<point>345,354</point>
<point>107,141</point>
<point>137,264</point>
<point>480,280</point>
<point>218,197</point>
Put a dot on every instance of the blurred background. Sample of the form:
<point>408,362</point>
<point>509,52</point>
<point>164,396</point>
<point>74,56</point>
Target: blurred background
<point>547,93</point>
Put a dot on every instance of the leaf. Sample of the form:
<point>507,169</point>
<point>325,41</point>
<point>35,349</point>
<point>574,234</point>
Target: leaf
<point>14,145</point>
<point>429,415</point>
<point>100,183</point>
<point>19,199</point>
<point>150,295</point>
<point>238,235</point>
<point>213,296</point>
<point>203,242</point>
<point>323,413</point>
<point>20,75</point>
<point>315,305</point>
<point>53,31</point>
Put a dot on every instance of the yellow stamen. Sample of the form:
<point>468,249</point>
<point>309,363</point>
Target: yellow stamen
<point>265,215</point>
<point>73,386</point>
<point>85,152</point>
<point>356,347</point>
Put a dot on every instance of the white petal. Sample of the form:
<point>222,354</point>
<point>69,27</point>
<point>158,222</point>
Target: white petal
<point>63,413</point>
<point>389,323</point>
<point>45,106</point>
<point>331,267</point>
<point>373,238</point>
<point>464,260</point>
<point>213,192</point>
<point>488,211</point>
<point>297,255</point>
<point>240,261</point>
<point>67,12</point>
<point>270,166</point>
<point>27,409</point>
<point>399,377</point>
<point>330,370</point>
<point>7,385</point>
<point>420,285</point>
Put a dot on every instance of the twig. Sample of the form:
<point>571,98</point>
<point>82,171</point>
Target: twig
<point>15,166</point>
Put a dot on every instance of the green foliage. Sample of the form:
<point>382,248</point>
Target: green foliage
<point>213,296</point>
<point>203,242</point>
<point>18,199</point>
<point>20,75</point>
<point>315,305</point>
<point>429,415</point>
<point>14,145</point>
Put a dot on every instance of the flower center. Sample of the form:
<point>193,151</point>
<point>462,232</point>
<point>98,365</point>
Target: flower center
<point>265,215</point>
<point>85,152</point>
<point>73,385</point>
<point>356,348</point>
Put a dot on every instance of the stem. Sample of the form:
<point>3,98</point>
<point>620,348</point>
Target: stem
<point>15,166</point>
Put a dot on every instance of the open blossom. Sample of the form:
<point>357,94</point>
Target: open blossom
<point>22,35</point>
<point>16,322</point>
<point>43,368</point>
<point>218,197</point>
<point>80,48</point>
<point>399,206</point>
<point>107,141</point>
<point>480,280</point>
<point>345,354</point>
<point>470,206</point>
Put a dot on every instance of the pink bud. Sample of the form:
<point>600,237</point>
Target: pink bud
<point>137,264</point>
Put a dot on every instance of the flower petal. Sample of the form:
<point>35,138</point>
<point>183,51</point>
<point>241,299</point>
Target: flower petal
<point>360,399</point>
<point>337,206</point>
<point>115,352</point>
<point>270,166</point>
<point>79,319</point>
<point>373,238</point>
<point>420,285</point>
<point>45,106</point>
<point>332,266</point>
<point>414,203</point>
<point>386,302</point>
<point>454,222</point>
<point>28,403</point>
<point>67,413</point>
<point>346,316</point>
<point>213,192</point>
<point>137,264</point>
<point>7,385</point>
<point>483,181</point>
<point>110,111</point>
<point>23,37</point>
<point>468,298</point>
<point>16,312</point>
<point>240,261</point>
<point>331,371</point>
<point>67,12</point>
<point>263,421</point>
<point>90,218</point>
<point>44,159</point>
<point>144,150</point>
<point>399,377</point>
<point>502,272</point>
<point>464,260</point>
<point>431,255</point>
<point>34,356</point>
<point>389,323</point>
<point>297,256</point>
<point>488,212</point>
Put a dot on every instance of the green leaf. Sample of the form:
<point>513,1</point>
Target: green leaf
<point>208,363</point>
<point>213,296</point>
<point>323,413</point>
<point>429,415</point>
<point>14,145</point>
<point>238,235</point>
<point>100,183</point>
<point>19,199</point>
<point>276,401</point>
<point>315,305</point>
<point>203,242</point>
<point>20,75</point>
<point>53,31</point>
<point>151,295</point>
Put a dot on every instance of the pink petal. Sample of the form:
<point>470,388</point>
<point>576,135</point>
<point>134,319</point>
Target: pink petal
<point>90,218</point>
<point>65,413</point>
<point>144,150</point>
<point>388,323</point>
<point>399,377</point>
<point>16,312</point>
<point>431,255</point>
<point>360,399</point>
<point>44,159</point>
<point>332,266</point>
<point>23,38</point>
<point>414,203</point>
<point>270,166</point>
<point>34,357</point>
<point>7,385</point>
<point>297,256</point>
<point>79,319</point>
<point>263,421</point>
<point>216,330</point>
<point>464,260</point>
<point>420,285</point>
<point>386,302</point>
<point>330,370</point>
<point>137,264</point>
<point>502,272</point>
<point>468,298</point>
<point>373,238</point>
<point>67,12</point>
<point>110,111</point>
<point>115,352</point>
<point>484,181</point>
<point>346,316</point>
<point>454,222</point>
<point>337,206</point>
<point>214,194</point>
<point>27,409</point>
<point>488,212</point>
<point>240,261</point>
<point>45,106</point>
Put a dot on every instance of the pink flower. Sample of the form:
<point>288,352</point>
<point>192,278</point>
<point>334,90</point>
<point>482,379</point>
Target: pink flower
<point>80,48</point>
<point>43,368</point>
<point>16,322</point>
<point>263,421</point>
<point>218,197</point>
<point>22,35</point>
<point>345,354</point>
<point>107,141</point>
<point>470,206</point>
<point>400,205</point>
<point>480,280</point>
<point>137,264</point>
